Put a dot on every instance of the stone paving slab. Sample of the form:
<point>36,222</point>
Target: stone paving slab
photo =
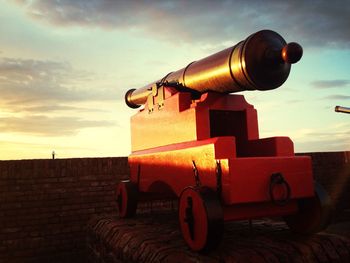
<point>156,238</point>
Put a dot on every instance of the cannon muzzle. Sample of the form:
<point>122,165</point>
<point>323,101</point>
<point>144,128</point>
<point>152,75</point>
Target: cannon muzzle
<point>261,62</point>
<point>342,109</point>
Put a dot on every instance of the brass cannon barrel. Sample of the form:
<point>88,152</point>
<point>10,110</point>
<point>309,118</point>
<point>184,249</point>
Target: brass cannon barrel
<point>342,109</point>
<point>261,62</point>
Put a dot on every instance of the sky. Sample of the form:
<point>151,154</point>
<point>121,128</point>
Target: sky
<point>66,65</point>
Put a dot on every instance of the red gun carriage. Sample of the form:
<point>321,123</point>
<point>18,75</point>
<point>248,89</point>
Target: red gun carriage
<point>195,142</point>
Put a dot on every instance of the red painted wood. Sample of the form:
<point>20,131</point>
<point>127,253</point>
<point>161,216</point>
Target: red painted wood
<point>215,127</point>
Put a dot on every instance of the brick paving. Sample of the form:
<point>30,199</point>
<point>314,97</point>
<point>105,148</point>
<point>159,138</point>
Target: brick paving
<point>156,238</point>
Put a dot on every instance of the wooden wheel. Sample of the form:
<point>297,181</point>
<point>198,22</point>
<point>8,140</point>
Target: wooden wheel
<point>201,218</point>
<point>127,197</point>
<point>314,213</point>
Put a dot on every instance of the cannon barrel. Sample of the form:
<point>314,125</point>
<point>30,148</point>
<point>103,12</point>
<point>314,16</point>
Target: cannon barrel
<point>261,62</point>
<point>342,109</point>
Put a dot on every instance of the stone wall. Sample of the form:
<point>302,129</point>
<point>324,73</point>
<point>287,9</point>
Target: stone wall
<point>332,170</point>
<point>45,204</point>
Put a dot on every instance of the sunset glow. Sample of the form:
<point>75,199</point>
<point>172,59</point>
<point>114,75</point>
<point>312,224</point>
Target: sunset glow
<point>66,65</point>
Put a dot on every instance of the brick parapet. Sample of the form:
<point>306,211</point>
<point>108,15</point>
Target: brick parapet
<point>45,204</point>
<point>332,171</point>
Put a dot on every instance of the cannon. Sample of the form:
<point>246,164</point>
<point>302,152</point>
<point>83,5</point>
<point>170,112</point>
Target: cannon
<point>196,142</point>
<point>342,109</point>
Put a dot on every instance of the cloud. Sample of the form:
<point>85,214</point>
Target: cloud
<point>25,81</point>
<point>337,97</point>
<point>294,101</point>
<point>51,108</point>
<point>324,144</point>
<point>316,23</point>
<point>48,126</point>
<point>332,138</point>
<point>39,97</point>
<point>336,83</point>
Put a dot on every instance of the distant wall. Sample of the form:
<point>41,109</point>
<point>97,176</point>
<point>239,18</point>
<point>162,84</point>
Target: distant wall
<point>332,170</point>
<point>45,204</point>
